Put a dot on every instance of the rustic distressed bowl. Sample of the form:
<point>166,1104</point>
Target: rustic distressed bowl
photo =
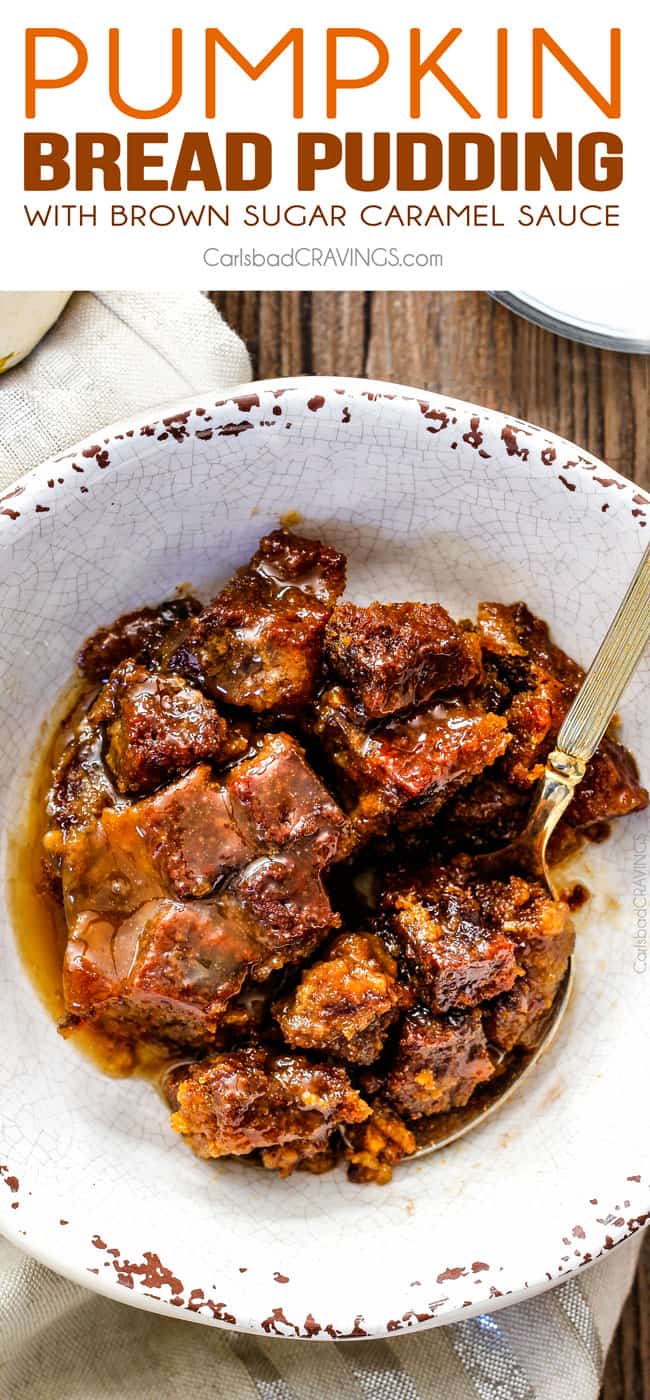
<point>433,499</point>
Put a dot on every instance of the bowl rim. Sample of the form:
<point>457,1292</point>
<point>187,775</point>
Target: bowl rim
<point>27,488</point>
<point>353,385</point>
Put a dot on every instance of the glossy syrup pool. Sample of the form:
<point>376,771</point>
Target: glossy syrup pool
<point>38,918</point>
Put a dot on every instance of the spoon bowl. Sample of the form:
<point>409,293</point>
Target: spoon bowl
<point>446,1128</point>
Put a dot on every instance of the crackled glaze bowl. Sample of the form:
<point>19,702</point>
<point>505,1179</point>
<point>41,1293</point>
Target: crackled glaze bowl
<point>431,499</point>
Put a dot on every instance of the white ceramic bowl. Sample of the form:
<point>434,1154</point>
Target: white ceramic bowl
<point>430,499</point>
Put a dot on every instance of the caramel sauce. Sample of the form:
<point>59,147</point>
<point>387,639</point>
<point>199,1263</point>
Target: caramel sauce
<point>290,519</point>
<point>37,917</point>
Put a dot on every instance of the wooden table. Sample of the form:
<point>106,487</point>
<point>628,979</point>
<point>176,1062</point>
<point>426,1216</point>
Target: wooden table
<point>463,344</point>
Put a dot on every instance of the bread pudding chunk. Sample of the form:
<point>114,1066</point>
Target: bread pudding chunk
<point>135,635</point>
<point>453,936</point>
<point>346,1002</point>
<point>483,816</point>
<point>81,785</point>
<point>259,643</point>
<point>141,960</point>
<point>609,789</point>
<point>191,865</point>
<point>282,1106</point>
<point>544,937</point>
<point>405,762</point>
<point>439,1062</point>
<point>374,1147</point>
<point>286,897</point>
<point>157,726</point>
<point>285,802</point>
<point>541,682</point>
<point>393,656</point>
<point>165,972</point>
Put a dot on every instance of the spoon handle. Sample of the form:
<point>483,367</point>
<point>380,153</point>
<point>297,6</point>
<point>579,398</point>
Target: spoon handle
<point>609,673</point>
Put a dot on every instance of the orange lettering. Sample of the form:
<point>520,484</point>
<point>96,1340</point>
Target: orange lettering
<point>293,38</point>
<point>502,72</point>
<point>420,67</point>
<point>147,113</point>
<point>336,84</point>
<point>32,83</point>
<point>609,106</point>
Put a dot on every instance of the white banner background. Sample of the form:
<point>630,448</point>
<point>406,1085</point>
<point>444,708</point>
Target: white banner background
<point>150,256</point>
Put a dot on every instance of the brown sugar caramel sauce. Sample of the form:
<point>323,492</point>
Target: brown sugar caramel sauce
<point>38,919</point>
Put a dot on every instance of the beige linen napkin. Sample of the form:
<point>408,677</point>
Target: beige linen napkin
<point>112,354</point>
<point>109,355</point>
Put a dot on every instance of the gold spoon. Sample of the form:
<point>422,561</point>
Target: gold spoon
<point>579,737</point>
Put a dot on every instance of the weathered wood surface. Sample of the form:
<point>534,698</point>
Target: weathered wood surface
<point>460,343</point>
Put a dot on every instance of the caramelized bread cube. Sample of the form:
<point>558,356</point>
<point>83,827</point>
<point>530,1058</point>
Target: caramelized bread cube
<point>138,959</point>
<point>515,1019</point>
<point>458,953</point>
<point>610,787</point>
<point>450,743</point>
<point>392,656</point>
<point>543,934</point>
<point>108,868</point>
<point>346,1003</point>
<point>544,681</point>
<point>259,644</point>
<point>126,923</point>
<point>285,895</point>
<point>252,1100</point>
<point>499,627</point>
<point>482,816</point>
<point>523,645</point>
<point>405,760</point>
<point>440,1061</point>
<point>181,843</point>
<point>158,726</point>
<point>285,558</point>
<point>374,1147</point>
<point>190,831</point>
<point>167,970</point>
<point>81,787</point>
<point>135,634</point>
<point>197,830</point>
<point>250,648</point>
<point>534,718</point>
<point>286,802</point>
<point>167,967</point>
<point>197,951</point>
